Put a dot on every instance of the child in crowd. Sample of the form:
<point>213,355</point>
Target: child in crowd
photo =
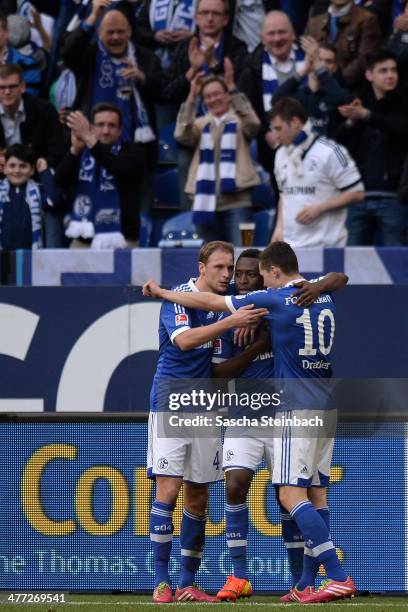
<point>22,199</point>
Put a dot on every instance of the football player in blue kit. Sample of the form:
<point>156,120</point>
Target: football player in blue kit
<point>242,455</point>
<point>302,339</point>
<point>185,352</point>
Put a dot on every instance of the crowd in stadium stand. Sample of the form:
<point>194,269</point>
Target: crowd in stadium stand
<point>139,110</point>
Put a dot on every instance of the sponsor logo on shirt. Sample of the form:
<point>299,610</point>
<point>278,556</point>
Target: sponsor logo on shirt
<point>322,299</point>
<point>180,319</point>
<point>302,190</point>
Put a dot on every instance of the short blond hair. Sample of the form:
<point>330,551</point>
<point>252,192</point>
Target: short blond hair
<point>216,245</point>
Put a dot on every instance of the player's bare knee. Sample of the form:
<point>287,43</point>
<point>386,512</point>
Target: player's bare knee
<point>289,497</point>
<point>318,496</point>
<point>196,498</point>
<point>168,489</point>
<point>284,498</point>
<point>237,486</point>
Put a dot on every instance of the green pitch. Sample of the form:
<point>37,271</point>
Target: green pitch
<point>139,603</point>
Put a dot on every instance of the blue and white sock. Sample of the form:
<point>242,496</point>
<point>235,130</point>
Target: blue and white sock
<point>317,538</point>
<point>161,537</point>
<point>236,519</point>
<point>310,564</point>
<point>294,543</point>
<point>192,535</point>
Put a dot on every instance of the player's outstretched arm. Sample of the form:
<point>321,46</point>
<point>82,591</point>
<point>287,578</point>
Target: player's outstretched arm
<point>202,300</point>
<point>244,317</point>
<point>307,292</point>
<point>333,281</point>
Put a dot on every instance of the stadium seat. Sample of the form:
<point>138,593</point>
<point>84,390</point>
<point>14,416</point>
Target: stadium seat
<point>180,231</point>
<point>166,189</point>
<point>264,223</point>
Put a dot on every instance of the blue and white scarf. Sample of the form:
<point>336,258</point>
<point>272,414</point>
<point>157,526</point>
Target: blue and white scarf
<point>163,16</point>
<point>96,209</point>
<point>33,199</point>
<point>81,13</point>
<point>205,199</point>
<point>301,143</point>
<point>109,86</point>
<point>270,82</point>
<point>25,9</point>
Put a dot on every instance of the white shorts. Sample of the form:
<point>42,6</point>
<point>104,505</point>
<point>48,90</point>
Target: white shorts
<point>301,461</point>
<point>195,460</point>
<point>247,452</point>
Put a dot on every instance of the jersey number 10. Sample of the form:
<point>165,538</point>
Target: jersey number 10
<point>305,320</point>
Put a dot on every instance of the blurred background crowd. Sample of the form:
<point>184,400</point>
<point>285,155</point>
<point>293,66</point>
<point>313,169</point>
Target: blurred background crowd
<point>129,123</point>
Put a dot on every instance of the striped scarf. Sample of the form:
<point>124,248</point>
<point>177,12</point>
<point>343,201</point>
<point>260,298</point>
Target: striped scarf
<point>96,210</point>
<point>80,14</point>
<point>270,82</point>
<point>110,86</point>
<point>205,200</point>
<point>33,199</point>
<point>170,15</point>
<point>301,143</point>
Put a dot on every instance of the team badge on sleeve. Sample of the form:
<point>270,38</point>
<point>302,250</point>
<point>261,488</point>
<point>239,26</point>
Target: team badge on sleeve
<point>217,344</point>
<point>181,319</point>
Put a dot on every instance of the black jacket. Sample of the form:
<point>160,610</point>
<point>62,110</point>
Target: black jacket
<point>321,105</point>
<point>143,33</point>
<point>379,144</point>
<point>177,87</point>
<point>403,186</point>
<point>398,44</point>
<point>41,130</point>
<point>79,54</point>
<point>127,167</point>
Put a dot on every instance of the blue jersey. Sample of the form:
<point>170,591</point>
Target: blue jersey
<point>225,348</point>
<point>173,362</point>
<point>257,377</point>
<point>302,338</point>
